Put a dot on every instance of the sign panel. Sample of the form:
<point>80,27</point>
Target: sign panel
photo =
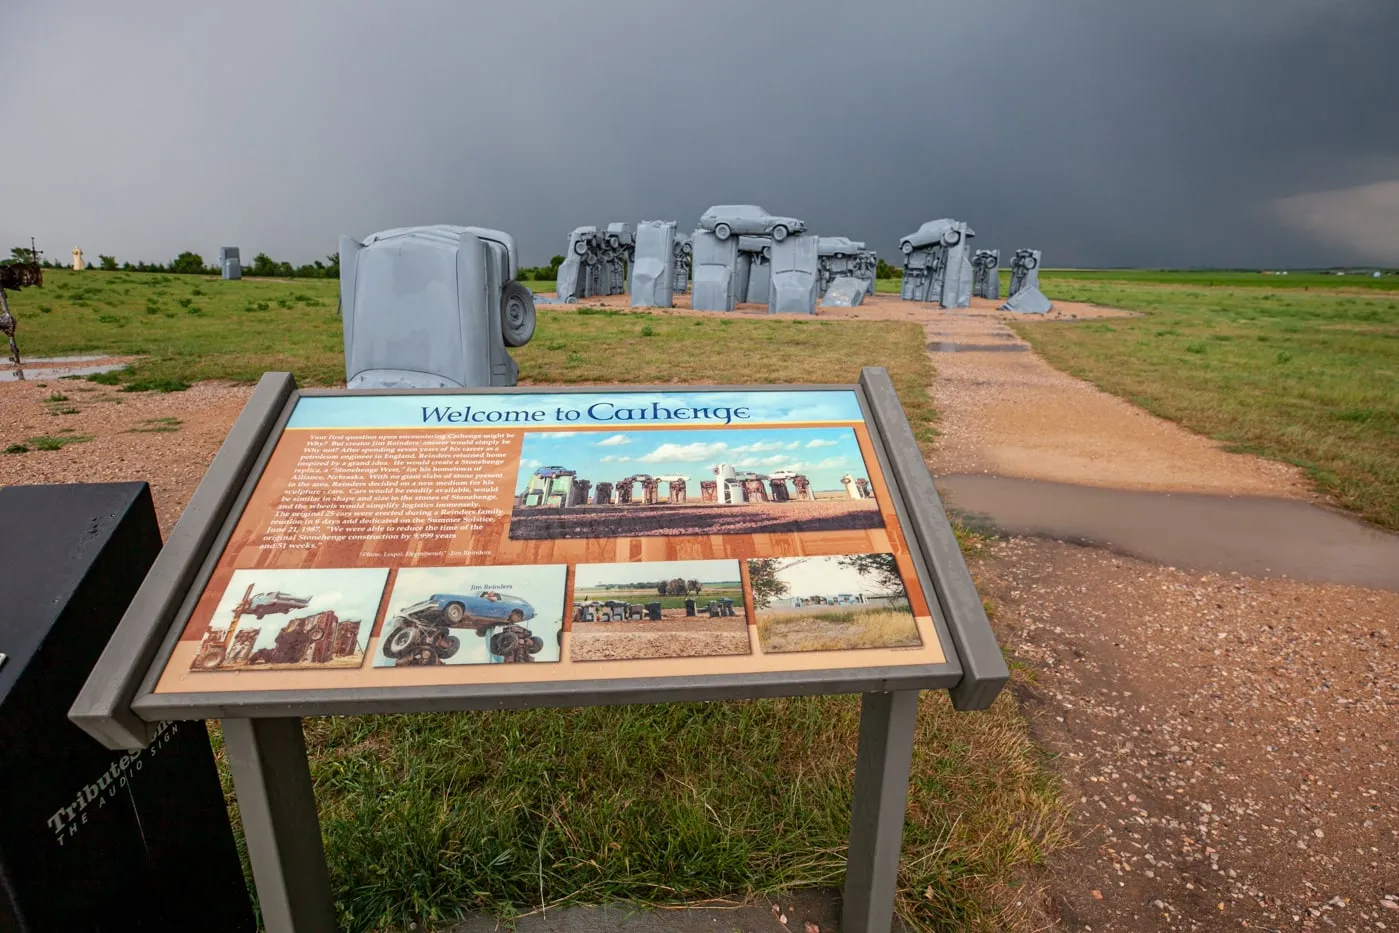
<point>514,538</point>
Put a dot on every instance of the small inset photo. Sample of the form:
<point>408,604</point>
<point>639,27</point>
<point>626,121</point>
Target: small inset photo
<point>280,619</point>
<point>660,609</point>
<point>831,603</point>
<point>473,615</point>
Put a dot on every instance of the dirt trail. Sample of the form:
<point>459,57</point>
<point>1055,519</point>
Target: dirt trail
<point>1227,744</point>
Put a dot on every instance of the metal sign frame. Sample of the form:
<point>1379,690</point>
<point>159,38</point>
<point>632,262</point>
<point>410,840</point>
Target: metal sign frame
<point>120,708</point>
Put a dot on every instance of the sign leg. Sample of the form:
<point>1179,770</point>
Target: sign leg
<point>877,813</point>
<point>278,805</point>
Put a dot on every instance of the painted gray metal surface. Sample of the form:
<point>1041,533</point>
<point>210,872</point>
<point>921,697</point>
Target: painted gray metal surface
<point>795,271</point>
<point>430,307</point>
<point>984,670</point>
<point>230,269</point>
<point>103,707</point>
<point>1028,301</point>
<point>713,272</point>
<point>226,253</point>
<point>684,253</point>
<point>867,268</point>
<point>725,220</point>
<point>653,265</point>
<point>937,263</point>
<point>1025,294</point>
<point>1024,270</point>
<point>883,760</point>
<point>986,280</point>
<point>845,292</point>
<point>836,257</point>
<point>277,806</point>
<point>753,270</point>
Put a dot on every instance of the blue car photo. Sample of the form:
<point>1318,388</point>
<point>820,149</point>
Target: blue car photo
<point>478,609</point>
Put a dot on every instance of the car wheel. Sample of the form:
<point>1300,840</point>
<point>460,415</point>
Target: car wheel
<point>536,644</point>
<point>580,247</point>
<point>906,248</point>
<point>722,231</point>
<point>952,238</point>
<point>687,248</point>
<point>779,233</point>
<point>516,314</point>
<point>400,641</point>
<point>454,612</point>
<point>1031,262</point>
<point>516,617</point>
<point>448,647</point>
<point>504,643</point>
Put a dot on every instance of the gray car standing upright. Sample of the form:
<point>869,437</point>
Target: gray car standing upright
<point>432,307</point>
<point>653,266</point>
<point>1025,294</point>
<point>713,274</point>
<point>794,276</point>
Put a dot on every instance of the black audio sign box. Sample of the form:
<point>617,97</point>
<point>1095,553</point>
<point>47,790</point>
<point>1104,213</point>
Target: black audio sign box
<point>92,840</point>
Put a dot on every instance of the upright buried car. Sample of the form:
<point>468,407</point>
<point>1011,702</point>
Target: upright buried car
<point>725,220</point>
<point>423,628</point>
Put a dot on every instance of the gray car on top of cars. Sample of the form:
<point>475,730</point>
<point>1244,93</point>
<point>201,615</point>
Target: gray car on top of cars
<point>725,220</point>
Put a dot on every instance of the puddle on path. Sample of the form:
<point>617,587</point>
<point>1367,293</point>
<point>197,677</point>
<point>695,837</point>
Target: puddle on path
<point>937,347</point>
<point>33,372</point>
<point>1252,535</point>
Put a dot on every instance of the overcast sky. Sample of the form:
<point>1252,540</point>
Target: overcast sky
<point>1152,132</point>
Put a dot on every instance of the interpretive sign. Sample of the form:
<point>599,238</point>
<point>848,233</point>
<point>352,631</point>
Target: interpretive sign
<point>510,538</point>
<point>396,551</point>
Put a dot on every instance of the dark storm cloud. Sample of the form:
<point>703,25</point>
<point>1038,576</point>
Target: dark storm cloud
<point>1103,132</point>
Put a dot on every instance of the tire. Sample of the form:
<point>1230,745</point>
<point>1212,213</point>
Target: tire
<point>454,612</point>
<point>536,644</point>
<point>580,247</point>
<point>779,233</point>
<point>687,248</point>
<point>504,643</point>
<point>400,641</point>
<point>448,647</point>
<point>516,616</point>
<point>722,231</point>
<point>516,314</point>
<point>317,634</point>
<point>614,241</point>
<point>259,615</point>
<point>212,660</point>
<point>1031,262</point>
<point>952,238</point>
<point>906,248</point>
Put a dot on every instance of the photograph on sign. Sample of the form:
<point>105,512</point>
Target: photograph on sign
<point>278,619</point>
<point>473,615</point>
<point>653,482</point>
<point>658,609</point>
<point>831,603</point>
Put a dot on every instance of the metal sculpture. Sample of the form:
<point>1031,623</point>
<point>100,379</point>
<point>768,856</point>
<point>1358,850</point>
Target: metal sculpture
<point>986,273</point>
<point>1025,294</point>
<point>15,275</point>
<point>754,269</point>
<point>837,257</point>
<point>715,261</point>
<point>596,262</point>
<point>682,252</point>
<point>727,220</point>
<point>653,265</point>
<point>453,334</point>
<point>867,268</point>
<point>937,263</point>
<point>795,273</point>
<point>230,266</point>
<point>845,292</point>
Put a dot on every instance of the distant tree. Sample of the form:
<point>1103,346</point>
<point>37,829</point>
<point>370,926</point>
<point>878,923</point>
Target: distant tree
<point>109,263</point>
<point>763,580</point>
<point>662,587</point>
<point>524,274</point>
<point>21,254</point>
<point>693,586</point>
<point>188,263</point>
<point>127,267</point>
<point>885,271</point>
<point>676,587</point>
<point>882,568</point>
<point>332,266</point>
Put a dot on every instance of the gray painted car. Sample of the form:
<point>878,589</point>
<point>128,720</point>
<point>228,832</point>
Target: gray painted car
<point>724,220</point>
<point>933,233</point>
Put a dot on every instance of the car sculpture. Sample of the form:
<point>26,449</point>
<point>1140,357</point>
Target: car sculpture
<point>725,220</point>
<point>428,623</point>
<point>932,233</point>
<point>275,603</point>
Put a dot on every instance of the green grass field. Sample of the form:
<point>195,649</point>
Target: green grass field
<point>426,817</point>
<point>1309,378</point>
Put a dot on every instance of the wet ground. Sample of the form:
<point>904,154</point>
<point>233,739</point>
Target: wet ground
<point>58,367</point>
<point>1254,535</point>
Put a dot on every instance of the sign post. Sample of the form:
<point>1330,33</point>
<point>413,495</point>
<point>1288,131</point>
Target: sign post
<point>404,551</point>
